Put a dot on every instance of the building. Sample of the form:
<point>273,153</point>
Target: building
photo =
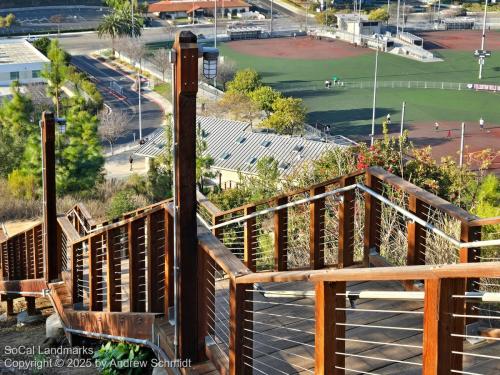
<point>235,147</point>
<point>357,25</point>
<point>182,9</point>
<point>20,61</point>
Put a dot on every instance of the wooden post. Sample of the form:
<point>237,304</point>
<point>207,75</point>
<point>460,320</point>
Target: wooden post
<point>186,87</point>
<point>346,225</point>
<point>470,255</point>
<point>439,325</point>
<point>31,305</point>
<point>240,339</point>
<point>10,305</point>
<point>38,240</point>
<point>249,240</point>
<point>317,230</point>
<point>76,274</point>
<point>95,303</point>
<point>133,259</point>
<point>51,271</point>
<point>328,331</point>
<point>416,237</point>
<point>113,272</point>
<point>281,236</point>
<point>372,218</point>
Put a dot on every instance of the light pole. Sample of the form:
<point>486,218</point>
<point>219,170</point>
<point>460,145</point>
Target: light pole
<point>462,145</point>
<point>138,73</point>
<point>483,39</point>
<point>215,23</point>
<point>372,135</point>
<point>397,18</point>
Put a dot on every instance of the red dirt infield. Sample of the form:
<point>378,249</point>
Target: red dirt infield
<point>461,40</point>
<point>298,48</point>
<point>446,141</point>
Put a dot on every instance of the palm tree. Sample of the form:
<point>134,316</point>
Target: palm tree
<point>118,24</point>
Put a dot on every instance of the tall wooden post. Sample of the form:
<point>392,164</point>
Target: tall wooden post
<point>440,325</point>
<point>51,271</point>
<point>186,87</point>
<point>470,255</point>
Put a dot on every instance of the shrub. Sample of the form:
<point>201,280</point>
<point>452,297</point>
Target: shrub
<point>115,358</point>
<point>22,184</point>
<point>124,201</point>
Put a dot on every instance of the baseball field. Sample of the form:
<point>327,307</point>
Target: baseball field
<point>300,66</point>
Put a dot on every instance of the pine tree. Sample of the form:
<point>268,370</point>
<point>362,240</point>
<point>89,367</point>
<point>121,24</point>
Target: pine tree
<point>56,72</point>
<point>80,161</point>
<point>15,128</point>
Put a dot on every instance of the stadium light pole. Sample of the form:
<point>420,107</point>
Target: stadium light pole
<point>215,23</point>
<point>271,24</point>
<point>462,145</point>
<point>483,39</point>
<point>372,135</point>
<point>138,73</point>
<point>397,18</point>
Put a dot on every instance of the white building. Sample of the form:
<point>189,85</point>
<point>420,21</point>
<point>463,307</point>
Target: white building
<point>357,25</point>
<point>236,148</point>
<point>19,60</point>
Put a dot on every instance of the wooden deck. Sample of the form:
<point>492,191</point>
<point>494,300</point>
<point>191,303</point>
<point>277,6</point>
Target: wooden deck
<point>283,333</point>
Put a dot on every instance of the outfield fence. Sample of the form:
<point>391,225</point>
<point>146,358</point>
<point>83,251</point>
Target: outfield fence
<point>316,85</point>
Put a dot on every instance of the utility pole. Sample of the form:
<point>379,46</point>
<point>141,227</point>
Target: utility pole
<point>462,145</point>
<point>483,39</point>
<point>186,87</point>
<point>372,135</point>
<point>271,24</point>
<point>402,119</point>
<point>48,130</point>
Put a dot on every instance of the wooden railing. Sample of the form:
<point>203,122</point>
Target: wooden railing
<point>21,255</point>
<point>127,268</point>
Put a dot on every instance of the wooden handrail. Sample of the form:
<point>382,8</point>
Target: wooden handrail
<point>485,221</point>
<point>31,227</point>
<point>423,195</point>
<point>209,206</point>
<point>117,224</point>
<point>332,181</point>
<point>221,254</point>
<point>474,270</point>
<point>69,230</point>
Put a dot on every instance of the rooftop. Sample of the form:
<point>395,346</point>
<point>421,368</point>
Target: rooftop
<point>188,6</point>
<point>234,146</point>
<point>19,51</point>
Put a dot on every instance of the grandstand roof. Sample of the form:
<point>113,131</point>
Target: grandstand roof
<point>234,146</point>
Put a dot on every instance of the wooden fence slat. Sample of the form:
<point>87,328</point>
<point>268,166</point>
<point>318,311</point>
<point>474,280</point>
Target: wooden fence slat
<point>76,274</point>
<point>416,237</point>
<point>439,324</point>
<point>133,257</point>
<point>328,332</point>
<point>113,272</point>
<point>346,225</point>
<point>249,240</point>
<point>316,230</point>
<point>372,218</point>
<point>95,302</point>
<point>470,255</point>
<point>155,248</point>
<point>240,340</point>
<point>169,262</point>
<point>281,236</point>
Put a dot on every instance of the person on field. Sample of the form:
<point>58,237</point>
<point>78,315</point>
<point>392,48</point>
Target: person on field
<point>389,119</point>
<point>131,161</point>
<point>436,126</point>
<point>481,124</point>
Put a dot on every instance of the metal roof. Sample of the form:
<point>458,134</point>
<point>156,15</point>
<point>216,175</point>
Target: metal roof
<point>225,146</point>
<point>19,51</point>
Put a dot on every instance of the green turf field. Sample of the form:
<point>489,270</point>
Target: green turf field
<point>349,110</point>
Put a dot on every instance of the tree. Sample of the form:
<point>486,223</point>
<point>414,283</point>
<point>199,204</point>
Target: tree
<point>327,17</point>
<point>288,116</point>
<point>8,21</point>
<point>264,97</point>
<point>379,14</point>
<point>245,81</point>
<point>238,105</point>
<point>113,126</point>
<point>55,72</point>
<point>161,60</point>
<point>42,44</point>
<point>81,159</point>
<point>118,24</point>
<point>203,161</point>
<point>16,126</point>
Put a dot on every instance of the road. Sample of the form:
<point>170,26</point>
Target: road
<point>152,114</point>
